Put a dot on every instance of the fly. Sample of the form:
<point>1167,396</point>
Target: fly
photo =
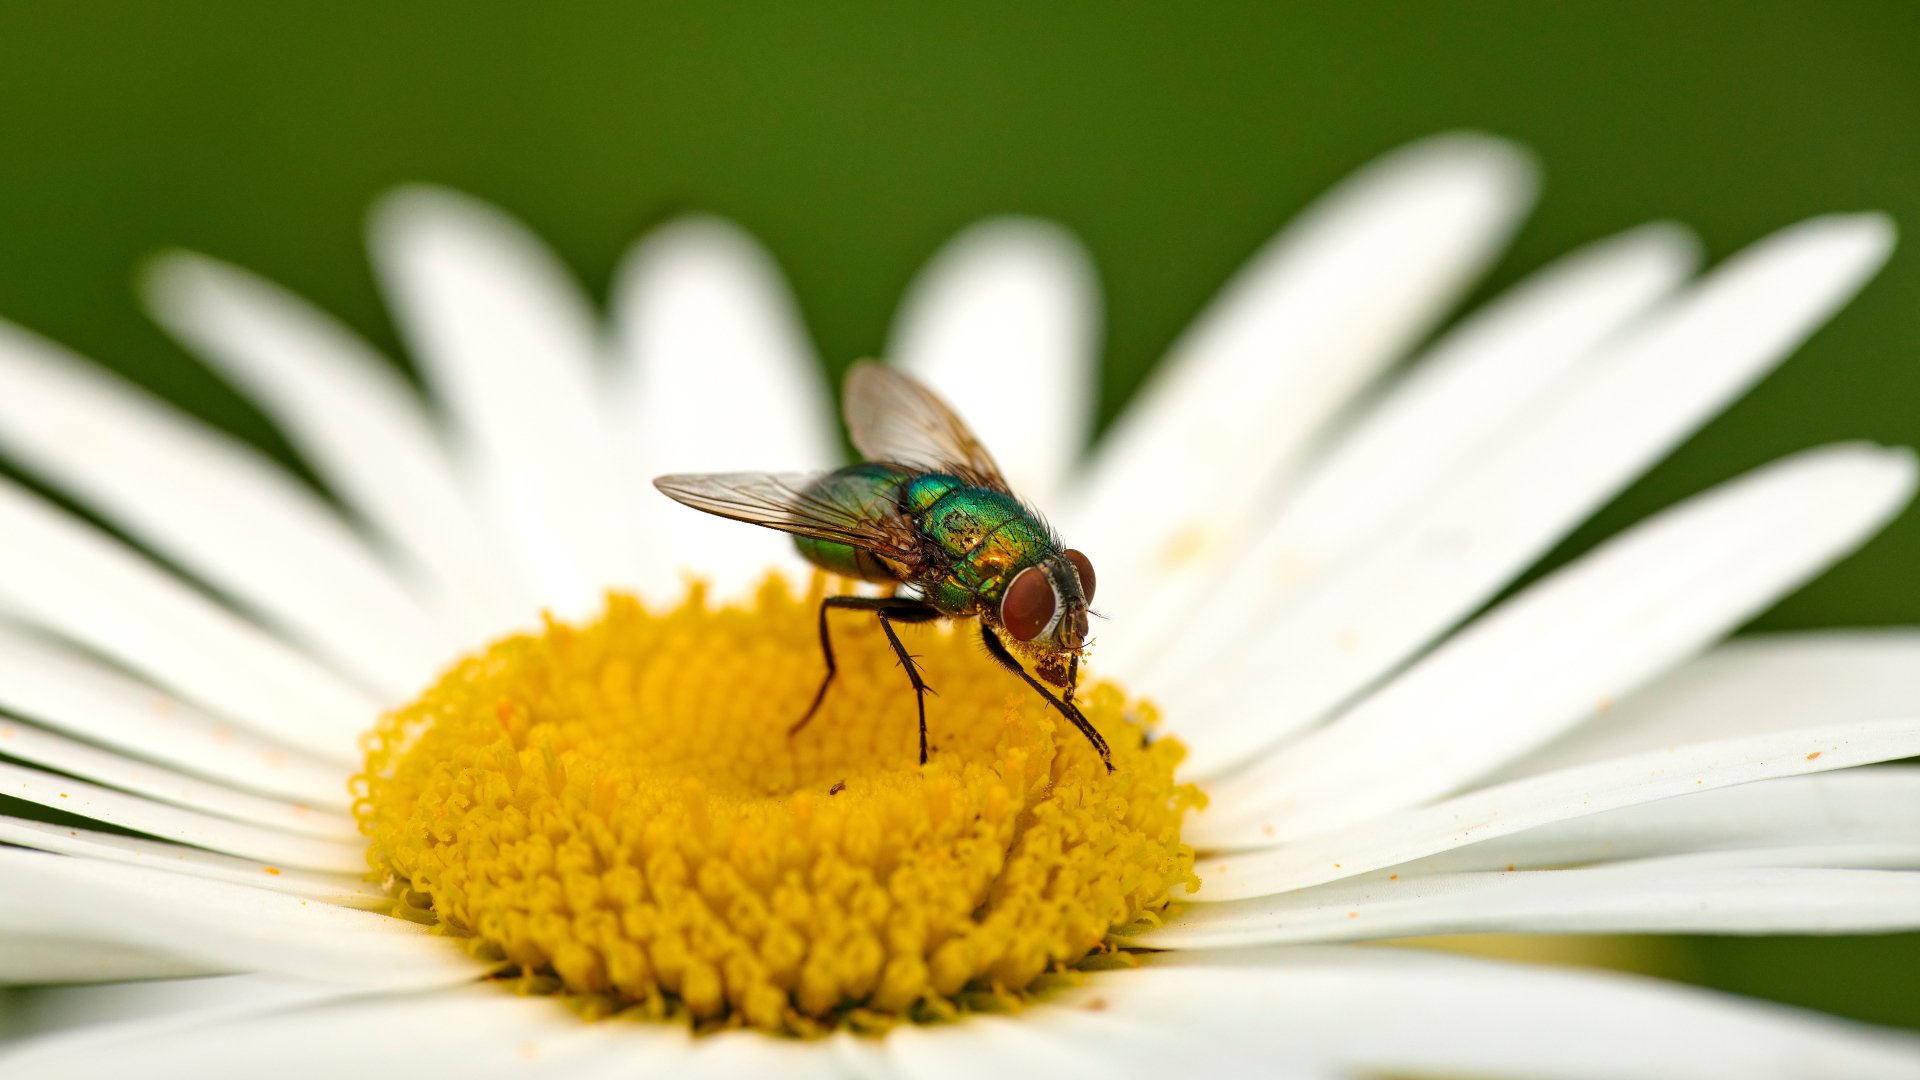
<point>928,511</point>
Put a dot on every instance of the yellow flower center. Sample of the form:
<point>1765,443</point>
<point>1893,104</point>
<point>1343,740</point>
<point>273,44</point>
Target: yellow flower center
<point>617,812</point>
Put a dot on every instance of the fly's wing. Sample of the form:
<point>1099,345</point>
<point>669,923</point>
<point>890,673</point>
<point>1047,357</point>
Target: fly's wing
<point>894,418</point>
<point>792,502</point>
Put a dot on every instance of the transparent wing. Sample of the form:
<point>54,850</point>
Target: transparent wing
<point>894,418</point>
<point>791,503</point>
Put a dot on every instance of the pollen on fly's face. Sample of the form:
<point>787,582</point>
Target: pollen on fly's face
<point>618,812</point>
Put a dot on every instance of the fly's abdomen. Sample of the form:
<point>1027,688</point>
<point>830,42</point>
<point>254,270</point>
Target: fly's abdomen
<point>874,490</point>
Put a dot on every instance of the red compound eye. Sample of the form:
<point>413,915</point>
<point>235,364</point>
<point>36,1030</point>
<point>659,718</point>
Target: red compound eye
<point>1084,568</point>
<point>1027,607</point>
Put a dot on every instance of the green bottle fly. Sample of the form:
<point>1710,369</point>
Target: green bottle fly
<point>929,512</point>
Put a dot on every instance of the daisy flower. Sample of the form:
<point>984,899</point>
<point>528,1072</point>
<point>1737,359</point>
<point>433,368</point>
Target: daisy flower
<point>447,769</point>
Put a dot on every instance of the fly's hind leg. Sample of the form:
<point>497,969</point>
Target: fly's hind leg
<point>888,610</point>
<point>998,649</point>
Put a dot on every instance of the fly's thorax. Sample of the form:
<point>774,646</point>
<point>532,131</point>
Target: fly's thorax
<point>982,538</point>
<point>923,492</point>
<point>964,522</point>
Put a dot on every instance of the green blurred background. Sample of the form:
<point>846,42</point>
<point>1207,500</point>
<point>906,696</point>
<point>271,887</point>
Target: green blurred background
<point>854,141</point>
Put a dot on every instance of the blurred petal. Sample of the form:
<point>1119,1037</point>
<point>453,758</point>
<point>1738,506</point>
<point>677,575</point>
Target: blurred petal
<point>1750,686</point>
<point>70,691</point>
<point>718,376</point>
<point>1044,1041</point>
<point>512,347</point>
<point>74,580</point>
<point>1394,1012</point>
<point>1629,898</point>
<point>1454,406</point>
<point>219,509</point>
<point>1589,633</point>
<point>1828,819</point>
<point>354,419</point>
<point>346,889</point>
<point>50,751</point>
<point>151,1006</point>
<point>224,926</point>
<point>1005,323</point>
<point>36,958</point>
<point>341,854</point>
<point>1344,1012</point>
<point>467,1032</point>
<point>749,1055</point>
<point>1525,804</point>
<point>1389,598</point>
<point>1290,342</point>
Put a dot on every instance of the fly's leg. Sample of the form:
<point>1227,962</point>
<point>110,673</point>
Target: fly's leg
<point>998,650</point>
<point>888,610</point>
<point>920,689</point>
<point>826,653</point>
<point>1073,687</point>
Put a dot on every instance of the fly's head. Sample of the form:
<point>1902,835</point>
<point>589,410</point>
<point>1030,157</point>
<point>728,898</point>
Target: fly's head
<point>1044,611</point>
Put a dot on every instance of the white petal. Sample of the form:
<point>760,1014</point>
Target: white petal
<point>718,376</point>
<point>57,752</point>
<point>219,509</point>
<point>75,581</point>
<point>229,927</point>
<point>1390,598</point>
<point>347,890</point>
<point>467,1032</point>
<point>1632,898</point>
<point>1346,1012</point>
<point>1372,1012</point>
<point>34,958</point>
<point>355,420</point>
<point>1316,315</point>
<point>1005,323</point>
<point>1902,853</point>
<point>1828,819</point>
<point>511,346</point>
<point>1747,686</point>
<point>72,692</point>
<point>1455,406</point>
<point>748,1055</point>
<point>66,1013</point>
<point>1524,804</point>
<point>1042,1041</point>
<point>341,854</point>
<point>1589,633</point>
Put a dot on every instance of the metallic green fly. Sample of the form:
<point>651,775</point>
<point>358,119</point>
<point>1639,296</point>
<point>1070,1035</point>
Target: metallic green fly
<point>928,512</point>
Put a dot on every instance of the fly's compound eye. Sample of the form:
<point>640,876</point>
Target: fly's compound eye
<point>1027,607</point>
<point>1084,568</point>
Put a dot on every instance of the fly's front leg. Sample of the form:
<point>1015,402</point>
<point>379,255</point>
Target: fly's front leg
<point>889,610</point>
<point>999,651</point>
